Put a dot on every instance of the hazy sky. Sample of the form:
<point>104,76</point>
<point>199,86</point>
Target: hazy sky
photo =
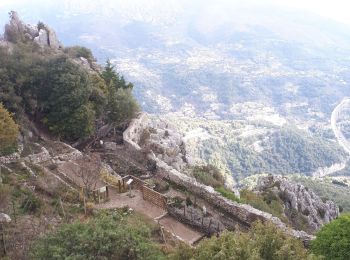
<point>335,9</point>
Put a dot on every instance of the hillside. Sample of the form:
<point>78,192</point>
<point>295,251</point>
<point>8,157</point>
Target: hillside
<point>235,63</point>
<point>83,174</point>
<point>210,57</point>
<point>244,148</point>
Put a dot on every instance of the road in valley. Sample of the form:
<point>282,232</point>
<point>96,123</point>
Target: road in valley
<point>334,118</point>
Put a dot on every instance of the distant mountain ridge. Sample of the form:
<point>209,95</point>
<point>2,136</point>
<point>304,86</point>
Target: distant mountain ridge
<point>210,56</point>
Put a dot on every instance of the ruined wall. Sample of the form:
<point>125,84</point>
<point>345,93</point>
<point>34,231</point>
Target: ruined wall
<point>133,133</point>
<point>242,213</point>
<point>12,157</point>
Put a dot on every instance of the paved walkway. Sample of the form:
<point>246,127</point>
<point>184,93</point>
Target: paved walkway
<point>137,203</point>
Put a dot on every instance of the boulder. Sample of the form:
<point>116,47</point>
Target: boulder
<point>4,218</point>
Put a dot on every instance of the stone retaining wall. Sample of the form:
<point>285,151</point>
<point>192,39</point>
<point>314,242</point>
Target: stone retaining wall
<point>132,134</point>
<point>194,218</point>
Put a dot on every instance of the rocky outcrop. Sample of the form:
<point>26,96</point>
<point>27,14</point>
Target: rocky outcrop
<point>300,200</point>
<point>167,144</point>
<point>159,138</point>
<point>16,30</point>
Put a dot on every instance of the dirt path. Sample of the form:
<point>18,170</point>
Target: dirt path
<point>137,203</point>
<point>183,232</point>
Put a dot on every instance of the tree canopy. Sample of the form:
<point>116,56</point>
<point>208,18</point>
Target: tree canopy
<point>333,240</point>
<point>60,93</point>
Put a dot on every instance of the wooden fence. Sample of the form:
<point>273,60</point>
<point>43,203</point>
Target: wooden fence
<point>154,197</point>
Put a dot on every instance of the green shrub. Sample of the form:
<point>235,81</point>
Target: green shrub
<point>228,194</point>
<point>333,240</point>
<point>208,175</point>
<point>266,201</point>
<point>104,237</point>
<point>263,241</point>
<point>31,204</point>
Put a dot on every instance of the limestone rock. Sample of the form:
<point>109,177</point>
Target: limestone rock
<point>4,218</point>
<point>298,198</point>
<point>54,43</point>
<point>42,39</point>
<point>17,30</point>
<point>15,27</point>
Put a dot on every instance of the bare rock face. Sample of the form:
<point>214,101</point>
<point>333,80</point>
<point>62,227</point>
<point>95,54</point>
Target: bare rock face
<point>42,38</point>
<point>299,199</point>
<point>47,38</point>
<point>15,27</point>
<point>167,144</point>
<point>17,30</point>
<point>54,43</point>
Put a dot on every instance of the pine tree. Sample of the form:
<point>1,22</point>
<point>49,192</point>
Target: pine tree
<point>8,131</point>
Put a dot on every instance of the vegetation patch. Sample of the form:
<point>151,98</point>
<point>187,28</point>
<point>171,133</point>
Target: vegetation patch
<point>106,236</point>
<point>228,194</point>
<point>208,175</point>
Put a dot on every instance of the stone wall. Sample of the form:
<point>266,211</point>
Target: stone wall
<point>12,157</point>
<point>133,133</point>
<point>43,156</point>
<point>195,218</point>
<point>242,213</point>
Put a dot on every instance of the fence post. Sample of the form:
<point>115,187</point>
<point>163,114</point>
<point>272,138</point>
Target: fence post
<point>120,186</point>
